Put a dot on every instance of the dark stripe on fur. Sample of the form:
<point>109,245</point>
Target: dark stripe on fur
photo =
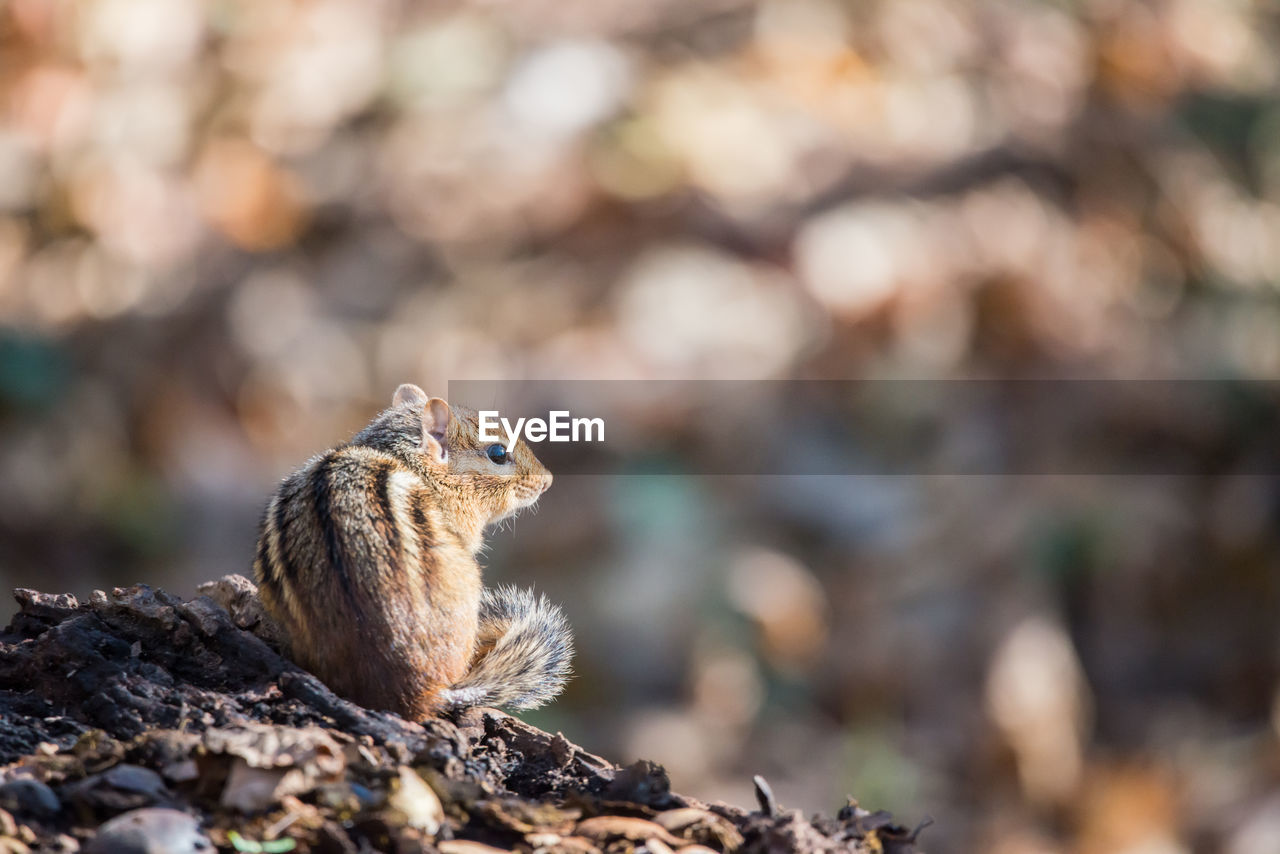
<point>385,521</point>
<point>286,572</point>
<point>426,540</point>
<point>321,488</point>
<point>386,516</point>
<point>426,537</point>
<point>262,567</point>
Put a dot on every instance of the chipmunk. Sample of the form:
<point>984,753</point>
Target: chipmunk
<point>367,561</point>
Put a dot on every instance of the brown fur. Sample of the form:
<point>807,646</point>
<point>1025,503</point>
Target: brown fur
<point>367,559</point>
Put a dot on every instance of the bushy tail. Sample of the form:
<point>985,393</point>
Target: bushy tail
<point>523,655</point>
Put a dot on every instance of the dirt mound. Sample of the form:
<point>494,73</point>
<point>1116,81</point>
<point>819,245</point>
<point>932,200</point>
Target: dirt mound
<point>142,722</point>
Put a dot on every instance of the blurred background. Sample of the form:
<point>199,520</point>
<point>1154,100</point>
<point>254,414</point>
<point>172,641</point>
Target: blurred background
<point>229,229</point>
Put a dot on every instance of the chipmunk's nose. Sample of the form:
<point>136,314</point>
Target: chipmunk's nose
<point>545,483</point>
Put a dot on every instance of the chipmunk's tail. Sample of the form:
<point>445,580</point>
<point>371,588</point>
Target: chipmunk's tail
<point>523,653</point>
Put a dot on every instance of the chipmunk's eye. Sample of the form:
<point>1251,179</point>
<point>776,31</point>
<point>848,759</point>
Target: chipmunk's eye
<point>497,453</point>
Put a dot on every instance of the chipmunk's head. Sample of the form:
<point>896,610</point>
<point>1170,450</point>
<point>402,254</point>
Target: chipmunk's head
<point>495,480</point>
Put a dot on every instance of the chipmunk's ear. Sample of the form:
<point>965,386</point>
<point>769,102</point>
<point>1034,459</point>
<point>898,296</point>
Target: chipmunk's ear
<point>409,394</point>
<point>435,427</point>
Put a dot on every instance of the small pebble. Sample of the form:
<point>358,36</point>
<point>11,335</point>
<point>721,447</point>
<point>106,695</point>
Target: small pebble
<point>543,840</point>
<point>63,844</point>
<point>417,802</point>
<point>28,795</point>
<point>135,778</point>
<point>367,797</point>
<point>151,830</point>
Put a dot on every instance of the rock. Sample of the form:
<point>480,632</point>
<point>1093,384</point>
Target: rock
<point>122,787</point>
<point>417,802</point>
<point>181,772</point>
<point>134,778</point>
<point>644,782</point>
<point>152,830</point>
<point>27,795</point>
<point>60,844</point>
<point>250,790</point>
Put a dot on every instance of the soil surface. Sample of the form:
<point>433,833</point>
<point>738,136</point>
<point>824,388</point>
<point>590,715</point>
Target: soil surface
<point>140,722</point>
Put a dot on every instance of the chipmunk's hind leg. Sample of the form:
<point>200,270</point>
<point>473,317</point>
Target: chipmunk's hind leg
<point>524,649</point>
